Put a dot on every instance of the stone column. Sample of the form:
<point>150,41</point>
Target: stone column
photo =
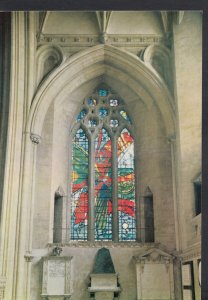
<point>115,228</point>
<point>91,205</point>
<point>17,196</point>
<point>187,52</point>
<point>172,141</point>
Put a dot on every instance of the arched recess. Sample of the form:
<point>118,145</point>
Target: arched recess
<point>75,78</point>
<point>48,57</point>
<point>102,60</point>
<point>158,58</point>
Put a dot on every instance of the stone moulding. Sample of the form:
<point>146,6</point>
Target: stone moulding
<point>191,253</point>
<point>43,53</point>
<point>94,62</point>
<point>99,244</point>
<point>154,255</point>
<point>114,39</point>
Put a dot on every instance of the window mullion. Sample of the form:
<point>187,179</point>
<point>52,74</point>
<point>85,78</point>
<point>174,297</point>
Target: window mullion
<point>91,186</point>
<point>115,189</point>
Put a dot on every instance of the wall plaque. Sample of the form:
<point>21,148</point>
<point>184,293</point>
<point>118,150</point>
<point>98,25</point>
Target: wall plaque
<point>187,294</point>
<point>188,280</point>
<point>154,269</point>
<point>186,274</point>
<point>56,277</point>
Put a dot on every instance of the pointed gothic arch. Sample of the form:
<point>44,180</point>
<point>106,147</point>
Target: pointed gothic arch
<point>108,62</point>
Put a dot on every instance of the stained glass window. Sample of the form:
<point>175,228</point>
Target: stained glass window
<point>103,192</point>
<point>103,163</point>
<point>79,206</point>
<point>126,187</point>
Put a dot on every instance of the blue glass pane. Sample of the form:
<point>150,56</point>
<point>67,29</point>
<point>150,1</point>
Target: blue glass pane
<point>103,93</point>
<point>126,187</point>
<point>103,189</point>
<point>79,197</point>
<point>81,115</point>
<point>103,112</point>
<point>125,116</point>
<point>92,122</point>
<point>91,102</point>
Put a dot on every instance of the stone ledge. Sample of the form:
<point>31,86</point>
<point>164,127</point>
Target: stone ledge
<point>98,244</point>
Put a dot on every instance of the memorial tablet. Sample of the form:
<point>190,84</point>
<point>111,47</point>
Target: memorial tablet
<point>186,274</point>
<point>56,277</point>
<point>187,294</point>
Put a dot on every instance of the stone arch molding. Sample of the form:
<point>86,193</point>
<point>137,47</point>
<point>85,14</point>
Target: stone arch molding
<point>48,57</point>
<point>102,60</point>
<point>157,58</point>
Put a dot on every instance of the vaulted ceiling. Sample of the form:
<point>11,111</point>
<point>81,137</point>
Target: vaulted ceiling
<point>130,30</point>
<point>105,22</point>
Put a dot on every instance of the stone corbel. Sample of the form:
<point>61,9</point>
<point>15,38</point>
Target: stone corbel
<point>171,139</point>
<point>35,138</point>
<point>67,297</point>
<point>28,256</point>
<point>57,251</point>
<point>103,38</point>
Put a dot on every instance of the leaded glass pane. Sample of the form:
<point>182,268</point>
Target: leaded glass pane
<point>79,207</point>
<point>92,122</point>
<point>103,92</point>
<point>103,186</point>
<point>91,102</point>
<point>81,115</point>
<point>114,123</point>
<point>125,116</point>
<point>126,187</point>
<point>113,102</point>
<point>103,112</point>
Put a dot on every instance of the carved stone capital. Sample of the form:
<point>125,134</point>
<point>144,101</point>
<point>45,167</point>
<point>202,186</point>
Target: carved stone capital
<point>28,256</point>
<point>35,138</point>
<point>103,38</point>
<point>57,251</point>
<point>171,139</point>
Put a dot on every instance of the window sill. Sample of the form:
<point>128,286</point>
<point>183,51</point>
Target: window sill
<point>98,244</point>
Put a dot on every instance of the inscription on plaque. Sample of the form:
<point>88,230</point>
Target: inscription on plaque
<point>186,274</point>
<point>187,294</point>
<point>56,277</point>
<point>56,268</point>
<point>155,281</point>
<point>56,283</point>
